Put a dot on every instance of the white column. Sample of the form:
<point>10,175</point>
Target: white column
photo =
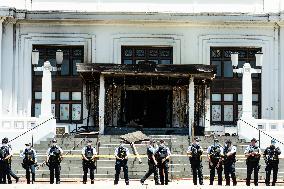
<point>247,92</point>
<point>1,84</point>
<point>46,90</point>
<point>102,105</point>
<point>191,106</point>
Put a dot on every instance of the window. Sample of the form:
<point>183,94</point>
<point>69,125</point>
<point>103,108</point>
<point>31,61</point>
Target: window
<point>66,84</point>
<point>226,97</point>
<point>137,54</point>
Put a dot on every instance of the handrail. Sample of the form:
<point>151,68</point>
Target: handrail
<point>31,129</point>
<point>262,131</point>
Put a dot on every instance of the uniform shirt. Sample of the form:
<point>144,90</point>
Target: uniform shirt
<point>152,149</point>
<point>22,155</point>
<point>116,151</point>
<point>233,150</point>
<point>10,151</point>
<point>221,149</point>
<point>189,148</point>
<point>249,148</point>
<point>84,150</point>
<point>48,151</point>
<point>168,150</point>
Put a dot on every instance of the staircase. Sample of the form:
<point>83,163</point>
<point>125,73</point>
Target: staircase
<point>71,166</point>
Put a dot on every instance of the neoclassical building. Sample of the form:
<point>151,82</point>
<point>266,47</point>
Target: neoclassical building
<point>153,65</point>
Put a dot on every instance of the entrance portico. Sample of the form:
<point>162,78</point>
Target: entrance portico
<point>147,95</point>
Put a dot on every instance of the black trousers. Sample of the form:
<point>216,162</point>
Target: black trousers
<point>152,169</point>
<point>271,166</point>
<point>229,169</point>
<point>219,169</point>
<point>252,166</point>
<point>4,167</point>
<point>30,169</point>
<point>164,172</point>
<point>54,170</point>
<point>86,167</point>
<point>196,168</point>
<point>118,165</point>
<point>11,174</point>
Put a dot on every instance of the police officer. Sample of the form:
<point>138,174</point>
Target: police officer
<point>152,162</point>
<point>88,156</point>
<point>10,172</point>
<point>163,155</point>
<point>271,158</point>
<point>229,162</point>
<point>53,160</point>
<point>121,154</point>
<point>29,162</point>
<point>252,154</point>
<point>214,154</point>
<point>5,155</point>
<point>194,152</point>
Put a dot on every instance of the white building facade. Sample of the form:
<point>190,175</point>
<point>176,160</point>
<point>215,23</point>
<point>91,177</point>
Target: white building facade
<point>197,32</point>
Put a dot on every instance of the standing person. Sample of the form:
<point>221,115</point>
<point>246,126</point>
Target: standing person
<point>10,172</point>
<point>152,162</point>
<point>29,162</point>
<point>271,157</point>
<point>229,162</point>
<point>163,155</point>
<point>5,155</point>
<point>214,154</point>
<point>88,156</point>
<point>252,154</point>
<point>53,160</point>
<point>194,152</point>
<point>121,154</point>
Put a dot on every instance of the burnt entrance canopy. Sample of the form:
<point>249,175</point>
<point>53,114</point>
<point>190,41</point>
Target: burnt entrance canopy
<point>146,95</point>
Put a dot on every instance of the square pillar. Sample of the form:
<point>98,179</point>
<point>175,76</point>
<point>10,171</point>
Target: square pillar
<point>102,105</point>
<point>191,107</point>
<point>1,83</point>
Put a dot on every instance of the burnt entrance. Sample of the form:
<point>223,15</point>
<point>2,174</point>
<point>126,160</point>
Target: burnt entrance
<point>150,108</point>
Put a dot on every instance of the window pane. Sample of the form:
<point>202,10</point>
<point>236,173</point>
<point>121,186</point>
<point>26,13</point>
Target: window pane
<point>65,67</point>
<point>240,97</point>
<point>75,67</point>
<point>156,61</point>
<point>228,113</point>
<point>53,96</point>
<point>40,64</point>
<point>37,109</point>
<point>140,52</point>
<point>139,61</point>
<point>76,95</point>
<point>64,95</point>
<point>228,69</point>
<point>229,97</point>
<point>165,61</point>
<point>64,111</point>
<point>255,97</point>
<point>255,111</point>
<point>128,52</point>
<point>240,65</point>
<point>218,64</point>
<point>165,53</point>
<point>216,112</point>
<point>76,111</point>
<point>153,52</point>
<point>240,111</point>
<point>127,61</point>
<point>216,97</point>
<point>38,95</point>
<point>53,109</point>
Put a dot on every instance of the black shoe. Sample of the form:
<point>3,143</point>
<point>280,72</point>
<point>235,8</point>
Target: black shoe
<point>84,182</point>
<point>115,182</point>
<point>17,179</point>
<point>142,182</point>
<point>127,182</point>
<point>92,182</point>
<point>58,182</point>
<point>273,184</point>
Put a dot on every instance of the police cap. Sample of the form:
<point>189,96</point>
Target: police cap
<point>152,141</point>
<point>162,141</point>
<point>196,139</point>
<point>28,144</point>
<point>273,141</point>
<point>228,141</point>
<point>5,140</point>
<point>54,140</point>
<point>253,139</point>
<point>89,141</point>
<point>216,140</point>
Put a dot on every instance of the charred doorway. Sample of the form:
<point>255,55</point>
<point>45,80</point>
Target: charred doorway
<point>149,108</point>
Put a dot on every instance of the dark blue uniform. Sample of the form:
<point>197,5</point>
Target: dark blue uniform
<point>29,163</point>
<point>215,153</point>
<point>54,159</point>
<point>252,163</point>
<point>151,151</point>
<point>195,151</point>
<point>4,164</point>
<point>121,152</point>
<point>162,153</point>
<point>89,152</point>
<point>229,164</point>
<point>272,161</point>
